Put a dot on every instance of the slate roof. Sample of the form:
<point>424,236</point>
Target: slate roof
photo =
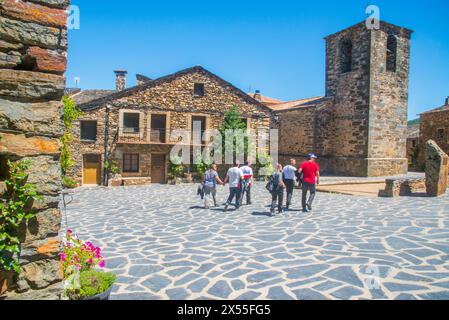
<point>413,131</point>
<point>291,105</point>
<point>95,103</point>
<point>442,108</point>
<point>86,96</point>
<point>266,100</point>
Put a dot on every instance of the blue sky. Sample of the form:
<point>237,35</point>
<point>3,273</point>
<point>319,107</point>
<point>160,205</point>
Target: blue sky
<point>274,46</point>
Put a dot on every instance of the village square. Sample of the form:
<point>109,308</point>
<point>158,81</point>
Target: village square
<point>185,186</point>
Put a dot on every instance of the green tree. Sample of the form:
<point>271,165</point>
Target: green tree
<point>233,121</point>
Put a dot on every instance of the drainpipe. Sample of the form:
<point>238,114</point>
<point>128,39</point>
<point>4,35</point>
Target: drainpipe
<point>106,153</point>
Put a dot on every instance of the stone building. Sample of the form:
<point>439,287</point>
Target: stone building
<point>434,125</point>
<point>133,128</point>
<point>413,146</point>
<point>359,127</point>
<point>33,44</point>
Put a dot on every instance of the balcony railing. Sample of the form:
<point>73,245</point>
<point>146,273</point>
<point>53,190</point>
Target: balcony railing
<point>157,135</point>
<point>153,135</point>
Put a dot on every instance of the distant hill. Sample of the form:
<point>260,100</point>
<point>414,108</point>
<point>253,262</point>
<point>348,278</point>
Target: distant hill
<point>413,122</point>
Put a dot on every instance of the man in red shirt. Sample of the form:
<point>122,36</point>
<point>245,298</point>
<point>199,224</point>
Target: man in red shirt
<point>311,177</point>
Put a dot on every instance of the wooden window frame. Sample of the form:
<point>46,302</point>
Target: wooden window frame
<point>129,168</point>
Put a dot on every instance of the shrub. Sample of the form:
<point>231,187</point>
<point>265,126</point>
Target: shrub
<point>175,168</point>
<point>69,182</point>
<point>265,165</point>
<point>201,169</point>
<point>91,283</point>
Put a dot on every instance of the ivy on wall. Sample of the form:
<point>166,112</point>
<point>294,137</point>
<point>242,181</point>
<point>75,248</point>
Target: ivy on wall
<point>15,208</point>
<point>71,114</point>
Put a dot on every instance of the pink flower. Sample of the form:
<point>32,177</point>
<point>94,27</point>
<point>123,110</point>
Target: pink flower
<point>89,261</point>
<point>63,257</point>
<point>101,264</point>
<point>69,231</point>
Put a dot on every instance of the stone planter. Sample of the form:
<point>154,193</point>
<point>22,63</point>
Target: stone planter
<point>188,177</point>
<point>5,281</point>
<point>174,181</point>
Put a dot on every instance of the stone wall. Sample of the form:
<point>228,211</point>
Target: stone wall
<point>173,98</point>
<point>33,44</point>
<point>434,126</point>
<point>388,103</point>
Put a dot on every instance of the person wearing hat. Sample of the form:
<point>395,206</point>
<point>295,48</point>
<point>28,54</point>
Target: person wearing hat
<point>311,177</point>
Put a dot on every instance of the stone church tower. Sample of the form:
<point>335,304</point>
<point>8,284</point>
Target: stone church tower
<point>359,128</point>
<point>367,73</point>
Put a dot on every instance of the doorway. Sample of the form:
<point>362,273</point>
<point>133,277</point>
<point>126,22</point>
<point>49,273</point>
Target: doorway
<point>91,169</point>
<point>158,168</point>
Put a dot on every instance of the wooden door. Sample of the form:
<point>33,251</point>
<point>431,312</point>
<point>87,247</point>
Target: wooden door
<point>157,168</point>
<point>91,169</point>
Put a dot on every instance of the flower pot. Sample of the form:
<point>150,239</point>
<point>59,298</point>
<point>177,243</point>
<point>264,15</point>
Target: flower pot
<point>101,296</point>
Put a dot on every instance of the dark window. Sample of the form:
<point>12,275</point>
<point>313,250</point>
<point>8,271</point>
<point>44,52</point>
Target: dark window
<point>346,56</point>
<point>392,44</point>
<point>131,122</point>
<point>198,90</point>
<point>440,134</point>
<point>158,123</point>
<point>130,162</point>
<point>414,143</point>
<point>244,122</point>
<point>198,122</point>
<point>89,130</point>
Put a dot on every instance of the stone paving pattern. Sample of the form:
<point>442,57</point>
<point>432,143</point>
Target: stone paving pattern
<point>163,245</point>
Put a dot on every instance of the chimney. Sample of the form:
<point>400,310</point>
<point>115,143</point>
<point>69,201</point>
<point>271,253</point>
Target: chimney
<point>447,102</point>
<point>120,79</point>
<point>258,96</point>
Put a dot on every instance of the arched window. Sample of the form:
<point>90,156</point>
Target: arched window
<point>346,56</point>
<point>392,48</point>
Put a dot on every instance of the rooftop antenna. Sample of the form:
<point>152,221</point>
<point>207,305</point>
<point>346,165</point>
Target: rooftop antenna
<point>77,82</point>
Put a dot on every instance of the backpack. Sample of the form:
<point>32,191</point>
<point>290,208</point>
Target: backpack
<point>272,184</point>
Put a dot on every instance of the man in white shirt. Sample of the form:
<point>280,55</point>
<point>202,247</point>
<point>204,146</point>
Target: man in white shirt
<point>248,182</point>
<point>289,174</point>
<point>234,177</point>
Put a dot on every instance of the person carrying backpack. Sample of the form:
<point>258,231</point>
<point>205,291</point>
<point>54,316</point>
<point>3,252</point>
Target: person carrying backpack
<point>211,179</point>
<point>276,186</point>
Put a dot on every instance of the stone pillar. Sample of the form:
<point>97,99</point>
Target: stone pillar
<point>33,45</point>
<point>436,170</point>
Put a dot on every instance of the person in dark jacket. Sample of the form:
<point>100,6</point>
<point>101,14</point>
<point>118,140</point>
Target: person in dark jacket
<point>277,195</point>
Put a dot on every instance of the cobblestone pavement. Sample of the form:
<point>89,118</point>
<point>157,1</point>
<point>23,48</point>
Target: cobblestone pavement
<point>163,245</point>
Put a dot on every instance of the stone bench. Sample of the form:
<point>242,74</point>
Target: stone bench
<point>138,181</point>
<point>403,187</point>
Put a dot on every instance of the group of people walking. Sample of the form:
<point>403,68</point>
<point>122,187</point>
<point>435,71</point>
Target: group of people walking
<point>284,179</point>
